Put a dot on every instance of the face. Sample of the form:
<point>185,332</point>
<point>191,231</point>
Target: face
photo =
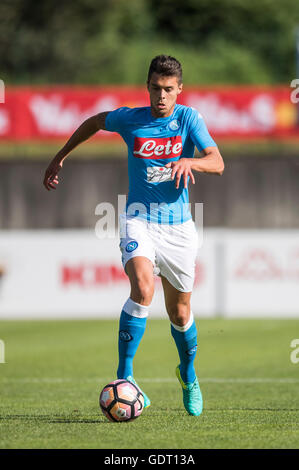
<point>163,92</point>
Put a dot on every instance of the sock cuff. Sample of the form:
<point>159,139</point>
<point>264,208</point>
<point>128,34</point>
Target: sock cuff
<point>186,327</point>
<point>135,310</point>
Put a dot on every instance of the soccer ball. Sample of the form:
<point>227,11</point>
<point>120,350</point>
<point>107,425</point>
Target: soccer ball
<point>121,400</point>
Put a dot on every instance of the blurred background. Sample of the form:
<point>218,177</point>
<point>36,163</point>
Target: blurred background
<point>64,61</point>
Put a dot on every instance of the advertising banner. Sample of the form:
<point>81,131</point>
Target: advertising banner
<point>48,113</point>
<point>73,274</point>
<point>261,273</point>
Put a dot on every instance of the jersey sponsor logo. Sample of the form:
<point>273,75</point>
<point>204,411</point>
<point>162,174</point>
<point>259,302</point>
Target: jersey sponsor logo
<point>158,174</point>
<point>166,147</point>
<point>131,246</point>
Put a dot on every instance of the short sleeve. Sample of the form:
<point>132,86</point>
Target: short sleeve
<point>199,132</point>
<point>116,120</point>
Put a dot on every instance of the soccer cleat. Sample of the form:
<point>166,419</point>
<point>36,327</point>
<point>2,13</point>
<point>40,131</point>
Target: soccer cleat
<point>192,397</point>
<point>147,401</point>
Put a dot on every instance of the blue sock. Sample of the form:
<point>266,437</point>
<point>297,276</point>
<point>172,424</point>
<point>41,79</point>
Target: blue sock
<point>131,330</point>
<point>186,343</point>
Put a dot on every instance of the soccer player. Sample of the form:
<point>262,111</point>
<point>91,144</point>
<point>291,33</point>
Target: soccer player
<point>157,233</point>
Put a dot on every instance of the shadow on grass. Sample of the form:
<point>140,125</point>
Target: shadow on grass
<point>55,419</point>
<point>75,419</point>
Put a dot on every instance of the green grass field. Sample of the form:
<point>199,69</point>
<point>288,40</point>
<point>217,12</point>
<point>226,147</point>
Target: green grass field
<point>54,371</point>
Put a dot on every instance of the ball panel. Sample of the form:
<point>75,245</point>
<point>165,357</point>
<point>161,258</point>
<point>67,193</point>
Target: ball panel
<point>141,398</point>
<point>107,396</point>
<point>138,408</point>
<point>121,411</point>
<point>126,391</point>
<point>107,415</point>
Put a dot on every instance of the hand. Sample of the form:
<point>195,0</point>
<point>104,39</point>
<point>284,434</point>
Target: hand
<point>51,178</point>
<point>180,168</point>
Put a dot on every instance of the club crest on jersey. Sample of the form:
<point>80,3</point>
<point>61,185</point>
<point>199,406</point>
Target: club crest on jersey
<point>166,147</point>
<point>174,125</point>
<point>131,246</point>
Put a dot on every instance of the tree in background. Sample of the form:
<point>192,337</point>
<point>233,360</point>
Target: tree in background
<point>112,41</point>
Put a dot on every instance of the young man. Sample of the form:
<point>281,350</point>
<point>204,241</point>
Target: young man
<point>157,231</point>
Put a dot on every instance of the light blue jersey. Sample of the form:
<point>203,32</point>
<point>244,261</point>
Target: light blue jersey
<point>152,143</point>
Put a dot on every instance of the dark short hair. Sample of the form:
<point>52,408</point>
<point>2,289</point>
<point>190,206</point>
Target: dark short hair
<point>165,65</point>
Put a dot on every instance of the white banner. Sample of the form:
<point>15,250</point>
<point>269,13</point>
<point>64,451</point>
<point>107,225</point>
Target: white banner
<point>261,273</point>
<point>73,274</point>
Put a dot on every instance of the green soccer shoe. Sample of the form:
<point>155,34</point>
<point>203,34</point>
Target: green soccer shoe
<point>192,397</point>
<point>147,401</point>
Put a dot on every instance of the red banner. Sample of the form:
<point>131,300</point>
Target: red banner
<point>55,112</point>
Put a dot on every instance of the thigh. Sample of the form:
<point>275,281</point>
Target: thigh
<point>135,241</point>
<point>140,271</point>
<point>138,258</point>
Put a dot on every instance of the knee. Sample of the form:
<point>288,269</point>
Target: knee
<point>142,291</point>
<point>179,314</point>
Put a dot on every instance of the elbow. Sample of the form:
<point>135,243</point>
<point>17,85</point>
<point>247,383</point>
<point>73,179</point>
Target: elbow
<point>220,166</point>
<point>220,170</point>
<point>219,163</point>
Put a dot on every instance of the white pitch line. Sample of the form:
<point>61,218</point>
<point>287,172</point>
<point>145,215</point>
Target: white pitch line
<point>250,380</point>
<point>233,380</point>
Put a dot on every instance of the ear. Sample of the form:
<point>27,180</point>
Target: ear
<point>180,88</point>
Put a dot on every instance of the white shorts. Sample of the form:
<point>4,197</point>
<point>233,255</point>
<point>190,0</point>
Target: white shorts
<point>171,248</point>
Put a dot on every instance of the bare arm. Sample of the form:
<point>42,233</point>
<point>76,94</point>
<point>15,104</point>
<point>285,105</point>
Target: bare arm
<point>211,162</point>
<point>87,129</point>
